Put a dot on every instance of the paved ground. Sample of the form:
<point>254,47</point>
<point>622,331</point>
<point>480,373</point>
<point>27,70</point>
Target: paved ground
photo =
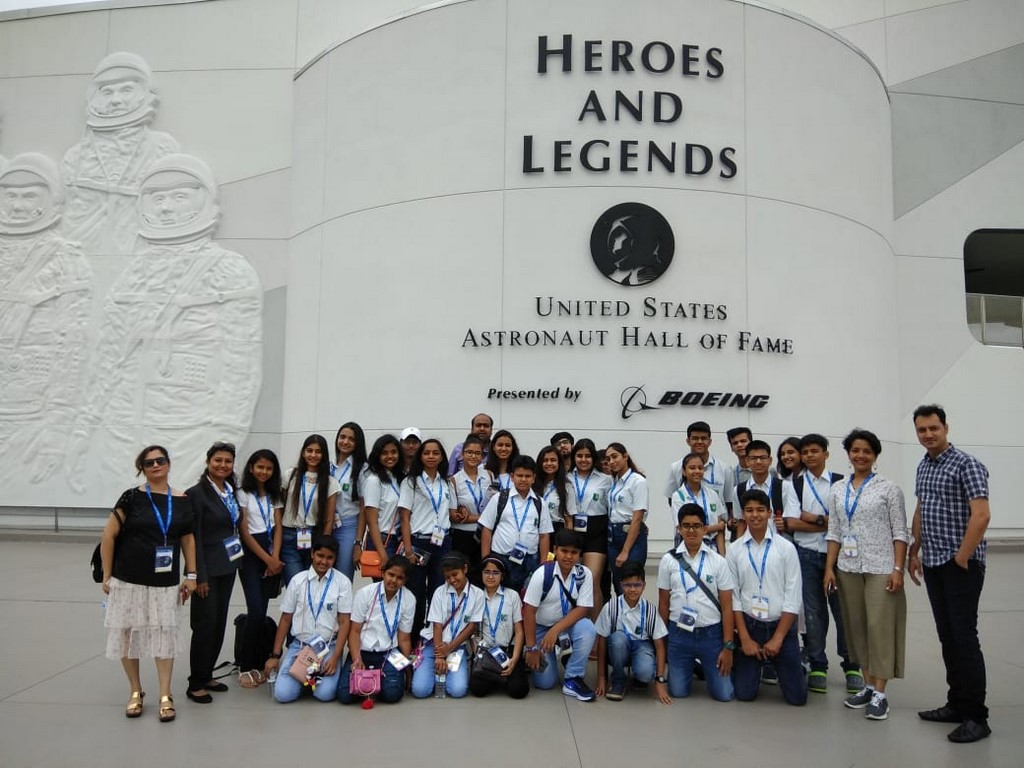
<point>61,704</point>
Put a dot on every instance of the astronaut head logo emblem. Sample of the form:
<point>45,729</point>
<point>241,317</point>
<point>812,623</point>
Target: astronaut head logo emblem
<point>632,244</point>
<point>634,400</point>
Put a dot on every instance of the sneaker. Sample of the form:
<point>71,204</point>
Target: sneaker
<point>769,675</point>
<point>878,709</point>
<point>860,699</point>
<point>817,681</point>
<point>576,687</point>
<point>854,681</point>
<point>969,731</point>
<point>616,692</point>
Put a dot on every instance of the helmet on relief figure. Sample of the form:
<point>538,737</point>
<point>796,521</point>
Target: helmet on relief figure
<point>121,93</point>
<point>31,194</point>
<point>178,200</point>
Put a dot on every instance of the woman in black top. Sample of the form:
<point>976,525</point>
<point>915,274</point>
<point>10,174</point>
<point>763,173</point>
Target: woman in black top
<point>149,526</point>
<point>218,557</point>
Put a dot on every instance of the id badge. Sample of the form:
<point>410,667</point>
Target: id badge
<point>437,537</point>
<point>304,538</point>
<point>499,655</point>
<point>398,660</point>
<point>579,523</point>
<point>164,560</point>
<point>850,545</point>
<point>233,546</point>
<point>759,607</point>
<point>688,619</point>
<point>318,645</point>
<point>564,641</point>
<point>454,660</point>
<point>518,553</point>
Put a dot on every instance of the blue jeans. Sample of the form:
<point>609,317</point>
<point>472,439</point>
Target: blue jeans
<point>517,574</point>
<point>392,683</point>
<point>345,535</point>
<point>746,670</point>
<point>456,684</point>
<point>583,636</point>
<point>287,688</point>
<point>816,609</point>
<point>616,540</point>
<point>295,560</point>
<point>685,649</point>
<point>624,649</point>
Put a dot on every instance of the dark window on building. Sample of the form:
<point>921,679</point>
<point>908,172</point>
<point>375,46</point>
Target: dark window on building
<point>994,283</point>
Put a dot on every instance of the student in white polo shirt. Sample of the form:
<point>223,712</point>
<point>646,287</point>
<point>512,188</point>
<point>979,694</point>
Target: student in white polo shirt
<point>501,630</point>
<point>695,586</point>
<point>514,525</point>
<point>695,491</point>
<point>379,638</point>
<point>698,441</point>
<point>472,487</point>
<point>315,609</point>
<point>758,455</point>
<point>456,609</point>
<point>629,500</point>
<point>766,602</point>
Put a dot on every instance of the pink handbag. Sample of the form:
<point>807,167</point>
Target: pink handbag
<point>364,682</point>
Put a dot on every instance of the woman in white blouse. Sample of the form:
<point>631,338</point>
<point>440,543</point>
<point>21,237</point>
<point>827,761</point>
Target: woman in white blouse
<point>867,548</point>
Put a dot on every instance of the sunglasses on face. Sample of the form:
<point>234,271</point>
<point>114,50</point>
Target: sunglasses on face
<point>159,461</point>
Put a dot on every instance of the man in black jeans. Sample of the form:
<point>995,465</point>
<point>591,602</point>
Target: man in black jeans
<point>949,542</point>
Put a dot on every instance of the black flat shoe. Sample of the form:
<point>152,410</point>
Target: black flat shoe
<point>969,731</point>
<point>944,714</point>
<point>202,698</point>
<point>215,686</point>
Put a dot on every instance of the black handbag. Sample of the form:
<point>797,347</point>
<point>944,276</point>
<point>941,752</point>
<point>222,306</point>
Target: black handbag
<point>97,560</point>
<point>483,666</point>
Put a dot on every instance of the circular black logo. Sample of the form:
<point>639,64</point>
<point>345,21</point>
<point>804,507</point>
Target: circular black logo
<point>632,244</point>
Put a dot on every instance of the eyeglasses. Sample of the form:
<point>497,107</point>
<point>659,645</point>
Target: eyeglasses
<point>159,461</point>
<point>491,573</point>
<point>633,585</point>
<point>472,453</point>
<point>691,526</point>
<point>759,458</point>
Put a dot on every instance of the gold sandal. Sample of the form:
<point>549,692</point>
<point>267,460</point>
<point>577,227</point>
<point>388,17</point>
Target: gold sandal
<point>134,708</point>
<point>167,711</point>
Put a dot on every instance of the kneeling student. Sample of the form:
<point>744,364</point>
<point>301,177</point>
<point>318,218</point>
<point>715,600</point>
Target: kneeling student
<point>315,609</point>
<point>382,616</point>
<point>695,600</point>
<point>630,631</point>
<point>555,615</point>
<point>766,572</point>
<point>455,610</point>
<point>502,630</point>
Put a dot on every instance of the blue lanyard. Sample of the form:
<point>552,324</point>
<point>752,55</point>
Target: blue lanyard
<point>711,464</point>
<point>268,521</point>
<point>394,485</point>
<point>307,502</point>
<point>391,628</point>
<point>809,480</point>
<point>547,491</point>
<point>341,475</point>
<point>165,524</point>
<point>465,606</point>
<point>515,515</point>
<point>564,600</point>
<point>850,510</point>
<point>764,562</point>
<point>428,487</point>
<point>493,628</point>
<point>229,501</point>
<point>473,487</point>
<point>323,596</point>
<point>703,500</point>
<point>615,486</point>
<point>581,493</point>
<point>700,570</point>
<point>643,616</point>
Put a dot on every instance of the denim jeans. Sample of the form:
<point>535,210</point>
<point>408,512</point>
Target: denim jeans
<point>583,636</point>
<point>625,649</point>
<point>684,649</point>
<point>287,688</point>
<point>456,684</point>
<point>517,574</point>
<point>345,535</point>
<point>392,683</point>
<point>816,610</point>
<point>616,540</point>
<point>295,560</point>
<point>746,670</point>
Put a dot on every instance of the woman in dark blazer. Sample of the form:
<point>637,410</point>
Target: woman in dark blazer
<point>218,557</point>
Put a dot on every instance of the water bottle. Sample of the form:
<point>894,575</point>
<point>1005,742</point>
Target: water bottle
<point>103,606</point>
<point>439,682</point>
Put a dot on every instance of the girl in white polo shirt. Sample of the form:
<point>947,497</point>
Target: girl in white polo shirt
<point>628,502</point>
<point>550,487</point>
<point>695,491</point>
<point>587,506</point>
<point>347,469</point>
<point>503,450</point>
<point>380,497</point>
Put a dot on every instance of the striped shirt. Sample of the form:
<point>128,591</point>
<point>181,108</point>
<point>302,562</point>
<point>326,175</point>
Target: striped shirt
<point>945,487</point>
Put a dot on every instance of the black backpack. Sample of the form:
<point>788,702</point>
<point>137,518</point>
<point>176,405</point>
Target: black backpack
<point>266,640</point>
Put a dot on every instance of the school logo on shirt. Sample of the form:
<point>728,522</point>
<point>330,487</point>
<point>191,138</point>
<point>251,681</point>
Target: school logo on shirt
<point>632,244</point>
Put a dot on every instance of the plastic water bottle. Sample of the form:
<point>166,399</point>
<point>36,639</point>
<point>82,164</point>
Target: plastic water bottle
<point>439,682</point>
<point>103,606</point>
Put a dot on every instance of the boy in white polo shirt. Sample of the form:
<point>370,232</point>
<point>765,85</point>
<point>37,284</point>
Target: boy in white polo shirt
<point>695,601</point>
<point>315,609</point>
<point>766,603</point>
<point>516,531</point>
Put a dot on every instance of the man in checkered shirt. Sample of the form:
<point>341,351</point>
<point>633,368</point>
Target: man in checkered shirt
<point>949,549</point>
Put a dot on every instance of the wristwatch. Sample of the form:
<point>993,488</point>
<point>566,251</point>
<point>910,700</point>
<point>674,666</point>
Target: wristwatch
<point>274,656</point>
<point>729,645</point>
<point>660,679</point>
<point>820,521</point>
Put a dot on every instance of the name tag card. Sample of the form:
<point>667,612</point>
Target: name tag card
<point>850,545</point>
<point>398,660</point>
<point>688,619</point>
<point>579,522</point>
<point>164,560</point>
<point>759,607</point>
<point>233,546</point>
<point>304,538</point>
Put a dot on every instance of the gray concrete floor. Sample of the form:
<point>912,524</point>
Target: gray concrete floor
<point>61,703</point>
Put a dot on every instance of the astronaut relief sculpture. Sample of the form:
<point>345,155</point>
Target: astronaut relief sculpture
<point>45,291</point>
